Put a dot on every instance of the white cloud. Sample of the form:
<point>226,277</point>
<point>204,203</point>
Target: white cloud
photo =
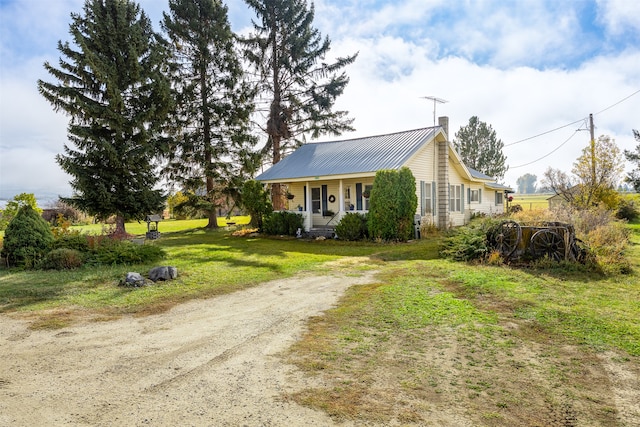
<point>620,15</point>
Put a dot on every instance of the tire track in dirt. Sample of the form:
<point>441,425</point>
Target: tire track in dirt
<point>218,359</point>
<point>206,362</point>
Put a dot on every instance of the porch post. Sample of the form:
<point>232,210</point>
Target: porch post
<point>341,199</point>
<point>309,218</point>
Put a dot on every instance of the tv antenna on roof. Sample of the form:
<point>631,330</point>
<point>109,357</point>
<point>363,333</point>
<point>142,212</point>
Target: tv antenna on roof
<point>435,101</point>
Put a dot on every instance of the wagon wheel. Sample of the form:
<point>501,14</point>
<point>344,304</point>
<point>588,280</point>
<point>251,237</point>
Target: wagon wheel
<point>549,243</point>
<point>579,250</point>
<point>507,238</point>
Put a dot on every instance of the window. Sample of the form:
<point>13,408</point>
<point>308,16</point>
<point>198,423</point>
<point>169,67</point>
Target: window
<point>499,198</point>
<point>474,196</point>
<point>455,202</point>
<point>427,206</point>
<point>315,200</point>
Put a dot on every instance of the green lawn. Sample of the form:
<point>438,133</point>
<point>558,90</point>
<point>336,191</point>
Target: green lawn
<point>598,311</point>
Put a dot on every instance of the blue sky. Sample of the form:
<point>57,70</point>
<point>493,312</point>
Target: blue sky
<point>525,67</point>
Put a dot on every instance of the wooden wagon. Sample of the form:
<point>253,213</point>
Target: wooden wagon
<point>554,240</point>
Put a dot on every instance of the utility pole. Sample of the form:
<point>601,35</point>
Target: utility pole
<point>593,151</point>
<point>435,100</point>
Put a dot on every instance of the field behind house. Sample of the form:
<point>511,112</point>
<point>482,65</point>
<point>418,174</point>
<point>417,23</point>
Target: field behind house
<point>531,202</point>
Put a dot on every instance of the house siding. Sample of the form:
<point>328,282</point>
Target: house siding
<point>461,217</point>
<point>423,166</point>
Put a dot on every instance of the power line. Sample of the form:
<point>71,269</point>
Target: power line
<point>572,123</point>
<point>619,102</point>
<point>548,154</point>
<point>544,133</point>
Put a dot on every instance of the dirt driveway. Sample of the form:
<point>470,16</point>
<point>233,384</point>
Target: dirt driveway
<point>210,362</point>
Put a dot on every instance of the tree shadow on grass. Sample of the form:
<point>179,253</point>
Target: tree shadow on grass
<point>565,271</point>
<point>281,246</point>
<point>24,289</point>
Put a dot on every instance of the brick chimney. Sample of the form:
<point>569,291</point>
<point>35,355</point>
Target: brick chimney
<point>443,122</point>
<point>443,175</point>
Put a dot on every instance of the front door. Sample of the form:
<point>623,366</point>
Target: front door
<point>319,203</point>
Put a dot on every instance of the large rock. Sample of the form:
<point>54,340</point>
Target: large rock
<point>163,273</point>
<point>133,280</point>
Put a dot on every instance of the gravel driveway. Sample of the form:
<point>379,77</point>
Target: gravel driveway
<point>211,362</point>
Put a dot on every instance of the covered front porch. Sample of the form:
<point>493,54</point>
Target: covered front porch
<point>323,203</point>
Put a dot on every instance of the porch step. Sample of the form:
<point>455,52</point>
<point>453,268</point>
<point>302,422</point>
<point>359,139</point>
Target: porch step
<point>328,232</point>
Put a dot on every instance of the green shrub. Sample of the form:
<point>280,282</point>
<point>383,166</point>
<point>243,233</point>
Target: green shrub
<point>393,205</point>
<point>112,251</point>
<point>471,242</point>
<point>352,226</point>
<point>62,259</point>
<point>282,223</point>
<point>465,244</point>
<point>255,200</point>
<point>627,210</point>
<point>27,238</point>
<point>14,205</point>
<point>75,241</point>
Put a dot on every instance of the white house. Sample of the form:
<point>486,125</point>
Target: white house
<point>329,179</point>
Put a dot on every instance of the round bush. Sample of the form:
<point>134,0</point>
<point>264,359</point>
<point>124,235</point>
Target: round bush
<point>27,238</point>
<point>352,226</point>
<point>62,259</point>
<point>282,223</point>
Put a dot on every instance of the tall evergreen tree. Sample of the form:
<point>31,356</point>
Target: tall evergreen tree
<point>289,54</point>
<point>211,148</point>
<point>111,84</point>
<point>481,149</point>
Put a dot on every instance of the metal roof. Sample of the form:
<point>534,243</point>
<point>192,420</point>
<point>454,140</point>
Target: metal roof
<point>492,185</point>
<point>479,175</point>
<point>360,155</point>
<point>496,186</point>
